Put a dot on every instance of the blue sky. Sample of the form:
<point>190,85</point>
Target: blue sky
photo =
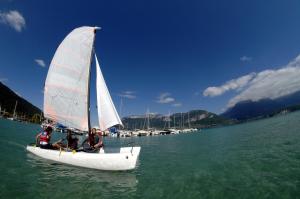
<point>163,54</point>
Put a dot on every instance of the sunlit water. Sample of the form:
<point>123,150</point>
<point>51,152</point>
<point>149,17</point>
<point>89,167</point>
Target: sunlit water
<point>259,159</point>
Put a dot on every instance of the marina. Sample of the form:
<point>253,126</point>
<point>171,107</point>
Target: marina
<point>153,132</point>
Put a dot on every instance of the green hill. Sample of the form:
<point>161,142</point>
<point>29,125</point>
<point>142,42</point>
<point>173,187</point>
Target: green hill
<point>24,111</point>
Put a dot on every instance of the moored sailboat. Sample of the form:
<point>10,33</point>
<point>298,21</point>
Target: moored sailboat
<point>67,102</point>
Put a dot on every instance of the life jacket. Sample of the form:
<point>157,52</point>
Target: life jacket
<point>44,138</point>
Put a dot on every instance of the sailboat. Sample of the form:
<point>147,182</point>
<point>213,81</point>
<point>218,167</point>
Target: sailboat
<point>172,130</point>
<point>67,102</point>
<point>14,117</point>
<point>145,131</point>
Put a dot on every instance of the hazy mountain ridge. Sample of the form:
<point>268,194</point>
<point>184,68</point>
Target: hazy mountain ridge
<point>197,118</point>
<point>248,110</point>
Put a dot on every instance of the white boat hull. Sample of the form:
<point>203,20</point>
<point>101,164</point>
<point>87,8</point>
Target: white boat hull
<point>126,159</point>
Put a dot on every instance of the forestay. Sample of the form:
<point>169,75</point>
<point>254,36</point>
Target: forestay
<point>107,114</point>
<point>67,84</point>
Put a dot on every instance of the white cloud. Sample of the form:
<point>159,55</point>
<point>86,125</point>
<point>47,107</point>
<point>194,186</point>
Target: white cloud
<point>14,19</point>
<point>128,94</point>
<point>177,104</point>
<point>234,84</point>
<point>271,84</point>
<point>245,58</point>
<point>40,62</point>
<point>165,98</point>
<point>267,84</point>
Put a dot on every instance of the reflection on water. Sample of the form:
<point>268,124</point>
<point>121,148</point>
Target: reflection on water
<point>105,182</point>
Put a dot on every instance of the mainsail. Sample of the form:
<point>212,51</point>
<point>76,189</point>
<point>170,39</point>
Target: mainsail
<point>66,94</point>
<point>107,114</point>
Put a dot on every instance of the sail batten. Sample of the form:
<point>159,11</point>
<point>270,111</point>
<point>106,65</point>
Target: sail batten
<point>107,113</point>
<point>66,88</point>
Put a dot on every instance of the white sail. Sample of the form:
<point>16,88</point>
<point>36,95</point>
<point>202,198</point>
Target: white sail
<point>107,113</point>
<point>67,85</point>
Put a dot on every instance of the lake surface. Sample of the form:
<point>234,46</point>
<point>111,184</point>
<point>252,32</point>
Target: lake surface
<point>258,159</point>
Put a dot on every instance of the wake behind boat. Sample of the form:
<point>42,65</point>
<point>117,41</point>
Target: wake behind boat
<point>67,102</point>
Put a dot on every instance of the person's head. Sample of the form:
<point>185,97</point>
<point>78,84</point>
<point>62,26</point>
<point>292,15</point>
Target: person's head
<point>49,129</point>
<point>93,131</point>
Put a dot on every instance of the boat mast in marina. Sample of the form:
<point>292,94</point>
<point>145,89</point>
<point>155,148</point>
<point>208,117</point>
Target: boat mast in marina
<point>121,106</point>
<point>189,120</point>
<point>41,115</point>
<point>169,120</point>
<point>14,115</point>
<point>148,120</point>
<point>181,120</point>
<point>174,121</point>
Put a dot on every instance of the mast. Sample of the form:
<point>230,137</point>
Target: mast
<point>174,122</point>
<point>148,119</point>
<point>41,116</point>
<point>89,80</point>
<point>189,120</point>
<point>183,121</point>
<point>121,107</point>
<point>169,120</point>
<point>15,109</point>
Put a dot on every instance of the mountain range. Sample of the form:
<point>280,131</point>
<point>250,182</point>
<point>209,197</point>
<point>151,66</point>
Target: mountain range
<point>242,111</point>
<point>247,110</point>
<point>193,119</point>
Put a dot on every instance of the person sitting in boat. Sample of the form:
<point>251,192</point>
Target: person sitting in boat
<point>95,139</point>
<point>72,141</point>
<point>44,137</point>
<point>93,143</point>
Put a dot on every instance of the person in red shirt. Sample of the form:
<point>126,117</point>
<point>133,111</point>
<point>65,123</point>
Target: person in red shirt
<point>43,139</point>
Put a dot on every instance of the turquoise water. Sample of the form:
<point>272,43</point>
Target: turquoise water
<point>259,159</point>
